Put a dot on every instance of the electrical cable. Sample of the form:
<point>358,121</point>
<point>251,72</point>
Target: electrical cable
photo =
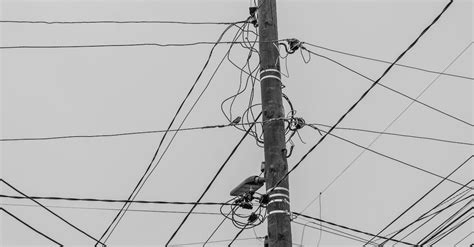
<point>393,90</point>
<point>48,138</point>
<point>398,134</point>
<point>151,44</point>
<point>434,214</point>
<point>391,158</point>
<point>334,232</point>
<point>50,211</point>
<point>387,62</point>
<point>422,197</point>
<point>445,224</point>
<point>340,226</point>
<point>363,95</point>
<point>452,230</point>
<point>462,239</point>
<point>217,241</point>
<point>29,226</point>
<point>389,125</point>
<point>445,227</point>
<point>110,200</point>
<point>117,22</point>
<point>146,175</point>
<point>111,209</point>
<point>211,182</point>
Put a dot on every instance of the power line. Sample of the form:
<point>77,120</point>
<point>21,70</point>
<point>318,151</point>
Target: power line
<point>387,62</point>
<point>146,175</point>
<point>389,157</point>
<point>391,89</point>
<point>341,233</point>
<point>218,241</point>
<point>340,226</point>
<point>112,209</point>
<point>50,211</point>
<point>29,226</point>
<point>132,133</point>
<point>399,115</point>
<point>376,82</point>
<point>212,180</point>
<point>452,230</point>
<point>117,22</point>
<point>112,200</point>
<point>422,197</point>
<point>398,134</point>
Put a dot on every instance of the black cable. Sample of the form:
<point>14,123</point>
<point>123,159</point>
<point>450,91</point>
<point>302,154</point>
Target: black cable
<point>445,227</point>
<point>434,214</point>
<point>215,230</point>
<point>144,177</point>
<point>47,138</point>
<point>462,239</point>
<point>397,134</point>
<point>31,227</point>
<point>363,95</point>
<point>387,62</point>
<point>121,45</point>
<point>452,230</point>
<point>112,209</point>
<point>117,22</point>
<point>334,231</point>
<point>431,217</point>
<point>110,200</point>
<point>50,211</point>
<point>211,182</point>
<point>398,116</point>
<point>340,226</point>
<point>392,158</point>
<point>391,89</point>
<point>237,235</point>
<point>218,241</point>
<point>422,197</point>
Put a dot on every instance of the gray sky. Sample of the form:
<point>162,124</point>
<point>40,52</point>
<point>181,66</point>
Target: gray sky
<point>54,92</point>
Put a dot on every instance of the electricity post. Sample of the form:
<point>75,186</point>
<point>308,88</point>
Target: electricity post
<point>276,166</point>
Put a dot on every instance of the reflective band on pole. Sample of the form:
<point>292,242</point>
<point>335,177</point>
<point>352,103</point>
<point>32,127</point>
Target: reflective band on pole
<point>278,212</point>
<point>278,200</point>
<point>280,194</point>
<point>270,70</point>
<point>270,76</point>
<point>277,188</point>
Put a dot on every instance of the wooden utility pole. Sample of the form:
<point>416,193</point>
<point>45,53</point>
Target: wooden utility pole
<point>276,166</point>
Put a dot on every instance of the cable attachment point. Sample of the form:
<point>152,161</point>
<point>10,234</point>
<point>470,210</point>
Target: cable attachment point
<point>292,46</point>
<point>297,123</point>
<point>253,18</point>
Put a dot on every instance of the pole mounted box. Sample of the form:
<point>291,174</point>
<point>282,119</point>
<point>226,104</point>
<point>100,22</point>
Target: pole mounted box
<point>249,185</point>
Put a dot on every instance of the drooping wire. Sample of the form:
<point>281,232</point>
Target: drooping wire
<point>112,209</point>
<point>149,169</point>
<point>394,90</point>
<point>339,226</point>
<point>29,226</point>
<point>109,200</point>
<point>363,96</point>
<point>388,126</point>
<point>210,184</point>
<point>117,22</point>
<point>50,211</point>
<point>387,62</point>
<point>422,197</point>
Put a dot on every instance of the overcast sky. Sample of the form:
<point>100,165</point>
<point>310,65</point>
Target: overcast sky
<point>53,92</point>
